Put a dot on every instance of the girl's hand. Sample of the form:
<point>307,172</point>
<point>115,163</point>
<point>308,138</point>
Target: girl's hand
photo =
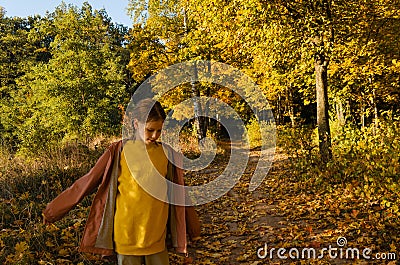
<point>45,222</point>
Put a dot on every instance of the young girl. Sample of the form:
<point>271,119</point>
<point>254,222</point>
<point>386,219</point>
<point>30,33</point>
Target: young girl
<point>124,218</point>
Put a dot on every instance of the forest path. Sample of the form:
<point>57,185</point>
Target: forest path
<point>238,224</point>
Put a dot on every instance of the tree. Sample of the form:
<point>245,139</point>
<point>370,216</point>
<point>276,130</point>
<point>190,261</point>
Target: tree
<point>17,55</point>
<point>160,40</point>
<point>314,23</point>
<point>78,93</point>
<point>292,49</point>
<point>366,56</point>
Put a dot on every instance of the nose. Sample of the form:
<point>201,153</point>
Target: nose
<point>154,135</point>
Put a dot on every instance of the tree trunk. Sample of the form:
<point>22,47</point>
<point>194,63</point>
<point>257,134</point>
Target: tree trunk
<point>376,115</point>
<point>278,111</point>
<point>198,117</point>
<point>206,118</point>
<point>362,114</point>
<point>340,113</point>
<point>347,112</point>
<point>291,105</point>
<point>324,134</point>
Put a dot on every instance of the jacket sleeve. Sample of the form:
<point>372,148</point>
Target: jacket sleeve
<point>69,198</point>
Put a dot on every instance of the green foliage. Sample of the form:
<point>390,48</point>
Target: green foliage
<point>17,54</point>
<point>79,90</point>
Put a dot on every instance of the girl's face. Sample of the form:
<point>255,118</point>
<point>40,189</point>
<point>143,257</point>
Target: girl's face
<point>148,132</point>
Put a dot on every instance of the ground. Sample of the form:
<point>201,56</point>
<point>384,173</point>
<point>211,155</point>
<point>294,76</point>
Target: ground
<point>289,210</point>
<point>241,223</point>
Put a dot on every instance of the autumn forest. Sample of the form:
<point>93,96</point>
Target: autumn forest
<point>330,71</point>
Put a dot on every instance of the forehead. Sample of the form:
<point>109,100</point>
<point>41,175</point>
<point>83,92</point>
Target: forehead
<point>154,124</point>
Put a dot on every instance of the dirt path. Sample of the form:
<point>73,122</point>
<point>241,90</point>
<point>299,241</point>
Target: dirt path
<point>238,224</point>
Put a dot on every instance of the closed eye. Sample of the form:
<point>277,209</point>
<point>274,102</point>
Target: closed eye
<point>152,130</point>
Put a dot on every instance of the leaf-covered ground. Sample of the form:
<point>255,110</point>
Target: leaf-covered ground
<point>295,214</point>
<point>288,210</point>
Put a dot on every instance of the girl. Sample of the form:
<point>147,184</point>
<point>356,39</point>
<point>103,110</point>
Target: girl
<point>124,218</point>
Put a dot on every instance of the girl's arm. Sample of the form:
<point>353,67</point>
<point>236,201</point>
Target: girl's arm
<point>69,198</point>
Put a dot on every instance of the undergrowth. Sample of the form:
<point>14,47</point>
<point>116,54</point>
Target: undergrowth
<point>27,185</point>
<point>357,193</point>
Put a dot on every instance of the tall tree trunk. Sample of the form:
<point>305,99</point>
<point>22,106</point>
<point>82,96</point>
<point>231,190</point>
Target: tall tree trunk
<point>362,114</point>
<point>376,117</point>
<point>324,134</point>
<point>198,117</point>
<point>206,118</point>
<point>340,113</point>
<point>278,110</point>
<point>291,105</point>
<point>347,112</point>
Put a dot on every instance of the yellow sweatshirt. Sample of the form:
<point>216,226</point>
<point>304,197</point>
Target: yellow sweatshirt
<point>140,220</point>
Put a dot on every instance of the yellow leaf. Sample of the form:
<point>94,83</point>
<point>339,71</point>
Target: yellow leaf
<point>63,261</point>
<point>21,247</point>
<point>63,252</point>
<point>393,247</point>
<point>215,255</point>
<point>49,243</point>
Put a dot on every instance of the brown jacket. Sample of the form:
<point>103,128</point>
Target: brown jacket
<point>98,233</point>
